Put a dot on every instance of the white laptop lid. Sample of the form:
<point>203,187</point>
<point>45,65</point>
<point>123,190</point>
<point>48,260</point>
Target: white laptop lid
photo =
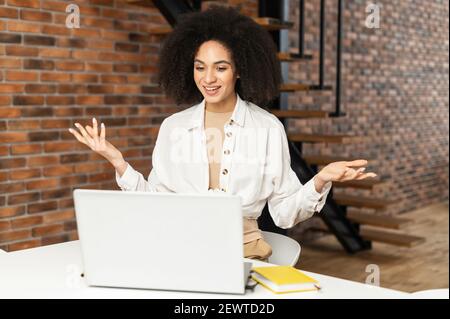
<point>186,242</point>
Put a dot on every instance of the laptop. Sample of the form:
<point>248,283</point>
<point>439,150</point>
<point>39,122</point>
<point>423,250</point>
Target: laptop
<point>165,241</point>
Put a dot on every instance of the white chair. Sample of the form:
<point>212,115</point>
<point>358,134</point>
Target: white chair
<point>285,250</point>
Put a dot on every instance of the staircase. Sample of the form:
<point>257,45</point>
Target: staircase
<point>354,230</point>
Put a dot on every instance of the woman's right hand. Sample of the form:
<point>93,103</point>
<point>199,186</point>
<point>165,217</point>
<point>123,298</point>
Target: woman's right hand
<point>97,142</point>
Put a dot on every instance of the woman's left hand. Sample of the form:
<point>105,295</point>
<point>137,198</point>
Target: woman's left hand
<point>344,171</point>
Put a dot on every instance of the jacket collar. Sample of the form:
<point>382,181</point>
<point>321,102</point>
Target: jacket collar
<point>238,115</point>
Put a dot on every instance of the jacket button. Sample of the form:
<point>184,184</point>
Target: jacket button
<point>225,172</point>
<point>231,122</point>
<point>223,190</point>
<point>226,152</point>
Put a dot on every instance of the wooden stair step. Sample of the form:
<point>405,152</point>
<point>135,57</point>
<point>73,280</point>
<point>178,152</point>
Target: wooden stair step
<point>361,202</point>
<point>367,183</point>
<point>272,23</point>
<point>378,220</point>
<point>267,23</point>
<point>291,57</point>
<point>299,114</point>
<point>143,3</point>
<point>322,138</point>
<point>294,87</point>
<point>392,238</point>
<point>323,159</point>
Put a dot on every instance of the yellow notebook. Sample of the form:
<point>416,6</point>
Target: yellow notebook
<point>283,279</point>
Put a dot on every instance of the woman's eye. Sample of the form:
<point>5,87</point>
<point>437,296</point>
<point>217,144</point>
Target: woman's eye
<point>222,69</point>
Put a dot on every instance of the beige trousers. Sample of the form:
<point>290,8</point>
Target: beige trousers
<point>258,249</point>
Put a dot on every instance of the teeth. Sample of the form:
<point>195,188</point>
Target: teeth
<point>212,89</point>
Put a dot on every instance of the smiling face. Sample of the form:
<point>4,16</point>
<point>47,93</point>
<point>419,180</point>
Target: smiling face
<point>215,72</point>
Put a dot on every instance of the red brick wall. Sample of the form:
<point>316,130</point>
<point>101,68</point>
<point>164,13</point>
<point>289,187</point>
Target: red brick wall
<point>52,77</point>
<point>396,94</point>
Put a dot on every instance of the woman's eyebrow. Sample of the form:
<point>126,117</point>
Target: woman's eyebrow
<point>217,62</point>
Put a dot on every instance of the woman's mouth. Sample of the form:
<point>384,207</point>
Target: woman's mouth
<point>212,90</point>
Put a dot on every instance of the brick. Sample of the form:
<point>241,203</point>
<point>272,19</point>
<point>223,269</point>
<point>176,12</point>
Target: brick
<point>24,245</point>
<point>55,29</point>
<point>38,64</point>
<point>73,158</point>
<point>38,161</point>
<point>97,111</point>
<point>21,51</point>
<point>39,40</point>
<point>10,13</point>
<point>7,112</point>
<point>69,66</point>
<point>70,225</point>
<point>36,112</point>
<point>56,239</point>
<point>60,216</point>
<point>25,174</point>
<point>12,137</point>
<point>68,88</point>
<point>26,149</point>
<point>21,76</point>
<point>85,55</point>
<point>24,3</point>
<point>26,222</point>
<point>28,100</point>
<point>5,225</point>
<point>47,230</point>
<point>118,79</point>
<point>54,53</point>
<point>84,78</point>
<point>23,198</point>
<point>40,88</point>
<point>11,88</point>
<point>5,100</point>
<point>68,112</point>
<point>33,15</point>
<point>55,77</point>
<point>14,235</point>
<point>73,180</point>
<point>58,170</point>
<point>117,99</point>
<point>47,124</point>
<point>12,187</point>
<point>125,68</point>
<point>54,5</point>
<point>42,207</point>
<point>100,89</point>
<point>127,47</point>
<point>22,26</point>
<point>71,43</point>
<point>89,100</point>
<point>52,147</point>
<point>99,67</point>
<point>56,193</point>
<point>12,211</point>
<point>43,136</point>
<point>10,63</point>
<point>60,100</point>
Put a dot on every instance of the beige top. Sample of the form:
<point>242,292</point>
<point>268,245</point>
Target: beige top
<point>214,123</point>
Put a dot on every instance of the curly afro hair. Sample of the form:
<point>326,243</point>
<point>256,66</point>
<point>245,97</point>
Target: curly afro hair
<point>252,49</point>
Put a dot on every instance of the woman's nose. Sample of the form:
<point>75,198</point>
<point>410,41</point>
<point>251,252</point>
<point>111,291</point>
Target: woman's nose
<point>210,77</point>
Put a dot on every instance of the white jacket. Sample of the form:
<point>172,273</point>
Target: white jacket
<point>255,164</point>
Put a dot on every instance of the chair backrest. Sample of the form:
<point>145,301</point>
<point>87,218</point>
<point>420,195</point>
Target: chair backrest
<point>285,250</point>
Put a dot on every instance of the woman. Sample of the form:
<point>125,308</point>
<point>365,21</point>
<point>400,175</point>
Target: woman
<point>226,65</point>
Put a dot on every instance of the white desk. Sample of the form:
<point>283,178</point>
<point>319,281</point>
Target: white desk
<point>54,272</point>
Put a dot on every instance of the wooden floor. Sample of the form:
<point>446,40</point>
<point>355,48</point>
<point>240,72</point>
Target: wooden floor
<point>407,269</point>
